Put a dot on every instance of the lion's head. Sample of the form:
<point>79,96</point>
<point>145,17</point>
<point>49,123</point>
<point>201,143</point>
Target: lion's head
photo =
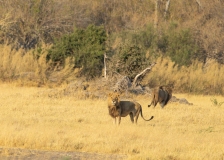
<point>113,99</point>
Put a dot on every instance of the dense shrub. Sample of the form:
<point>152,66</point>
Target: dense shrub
<point>182,48</point>
<point>179,45</point>
<point>86,46</point>
<point>137,49</point>
<point>129,60</point>
<point>144,38</point>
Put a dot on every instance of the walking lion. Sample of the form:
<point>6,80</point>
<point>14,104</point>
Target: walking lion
<point>161,95</point>
<point>118,109</point>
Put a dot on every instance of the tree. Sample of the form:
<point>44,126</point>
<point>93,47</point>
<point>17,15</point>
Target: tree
<point>86,46</point>
<point>27,23</point>
<point>129,60</point>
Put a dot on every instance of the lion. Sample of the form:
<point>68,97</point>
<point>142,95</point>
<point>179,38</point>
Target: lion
<point>118,109</point>
<point>162,95</point>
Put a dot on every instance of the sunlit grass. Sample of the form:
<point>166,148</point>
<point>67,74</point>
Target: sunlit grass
<point>69,124</point>
<point>24,68</point>
<point>196,78</point>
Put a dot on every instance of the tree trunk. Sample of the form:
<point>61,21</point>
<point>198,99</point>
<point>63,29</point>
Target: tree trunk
<point>199,5</point>
<point>105,66</point>
<point>156,13</point>
<point>167,7</point>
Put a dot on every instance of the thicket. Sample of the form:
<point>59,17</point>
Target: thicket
<point>124,30</point>
<point>137,50</point>
<point>129,60</point>
<point>197,78</point>
<point>180,45</point>
<point>85,46</point>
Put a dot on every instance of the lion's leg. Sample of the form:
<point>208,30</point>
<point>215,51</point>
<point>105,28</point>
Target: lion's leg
<point>162,104</point>
<point>131,117</point>
<point>115,120</point>
<point>119,120</point>
<point>155,102</point>
<point>150,104</point>
<point>136,116</point>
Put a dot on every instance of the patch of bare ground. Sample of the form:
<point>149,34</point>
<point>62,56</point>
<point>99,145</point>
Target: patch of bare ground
<point>27,154</point>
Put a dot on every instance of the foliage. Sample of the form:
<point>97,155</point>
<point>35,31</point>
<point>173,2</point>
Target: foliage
<point>181,37</point>
<point>86,46</point>
<point>182,48</point>
<point>137,49</point>
<point>179,46</point>
<point>25,24</point>
<point>145,37</point>
<point>130,60</point>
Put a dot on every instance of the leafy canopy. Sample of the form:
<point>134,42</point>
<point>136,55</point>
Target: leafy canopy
<point>86,46</point>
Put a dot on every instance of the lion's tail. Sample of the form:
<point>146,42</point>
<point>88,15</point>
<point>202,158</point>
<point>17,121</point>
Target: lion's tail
<point>144,118</point>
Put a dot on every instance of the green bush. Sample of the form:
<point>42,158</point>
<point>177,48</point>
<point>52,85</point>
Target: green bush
<point>86,46</point>
<point>131,60</point>
<point>179,45</point>
<point>145,38</point>
<point>182,48</point>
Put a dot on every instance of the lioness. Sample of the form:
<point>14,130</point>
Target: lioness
<point>162,95</point>
<point>118,109</point>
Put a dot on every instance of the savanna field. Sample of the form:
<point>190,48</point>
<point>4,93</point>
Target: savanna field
<point>60,58</point>
<point>33,120</point>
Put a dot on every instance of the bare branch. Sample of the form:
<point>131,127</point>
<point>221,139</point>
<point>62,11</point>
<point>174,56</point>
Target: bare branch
<point>105,66</point>
<point>156,13</point>
<point>199,4</point>
<point>122,85</point>
<point>134,83</point>
<point>167,7</point>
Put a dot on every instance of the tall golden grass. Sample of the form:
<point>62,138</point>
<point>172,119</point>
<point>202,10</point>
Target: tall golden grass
<point>32,120</point>
<point>26,69</point>
<point>16,63</point>
<point>21,66</point>
<point>197,78</point>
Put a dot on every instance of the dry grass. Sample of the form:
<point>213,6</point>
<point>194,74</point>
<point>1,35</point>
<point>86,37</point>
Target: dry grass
<point>23,67</point>
<point>19,63</point>
<point>68,124</point>
<point>197,78</point>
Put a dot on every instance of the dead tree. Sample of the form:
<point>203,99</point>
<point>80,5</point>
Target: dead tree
<point>105,66</point>
<point>156,13</point>
<point>141,74</point>
<point>167,7</point>
<point>199,5</point>
<point>122,85</point>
